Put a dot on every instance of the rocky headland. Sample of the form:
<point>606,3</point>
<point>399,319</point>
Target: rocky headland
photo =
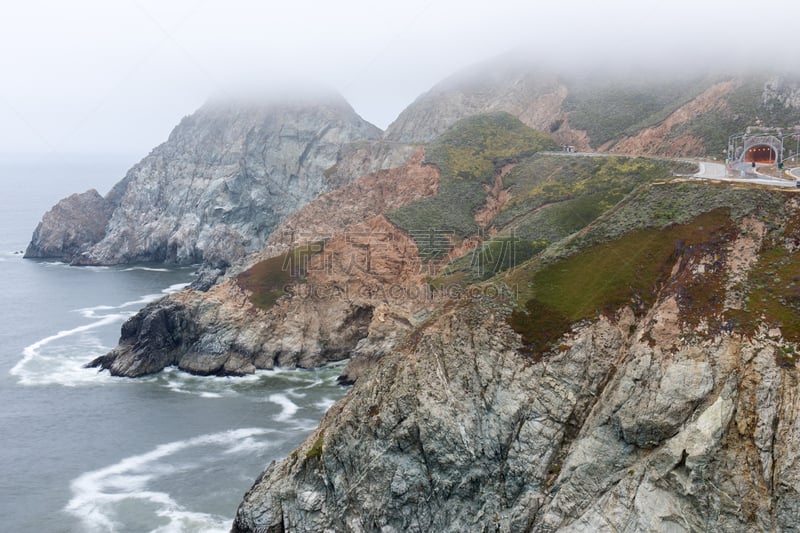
<point>218,187</point>
<point>538,341</point>
<point>311,296</point>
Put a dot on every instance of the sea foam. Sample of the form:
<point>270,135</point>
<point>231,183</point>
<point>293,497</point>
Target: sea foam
<point>104,499</point>
<point>61,358</point>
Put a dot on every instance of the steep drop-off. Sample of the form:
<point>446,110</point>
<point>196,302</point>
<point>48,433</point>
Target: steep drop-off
<point>666,399</point>
<point>350,273</point>
<point>318,292</point>
<point>221,183</point>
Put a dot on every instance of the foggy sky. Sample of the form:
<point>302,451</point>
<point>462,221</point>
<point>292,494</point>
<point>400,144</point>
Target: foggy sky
<point>114,76</point>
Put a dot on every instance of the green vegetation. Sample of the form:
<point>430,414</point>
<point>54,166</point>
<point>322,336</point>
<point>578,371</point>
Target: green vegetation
<point>573,191</point>
<point>772,290</point>
<point>469,156</point>
<point>625,256</point>
<point>315,452</point>
<point>608,110</point>
<point>552,197</point>
<point>267,280</point>
<point>487,260</point>
<point>604,277</point>
<point>745,105</point>
<point>660,205</point>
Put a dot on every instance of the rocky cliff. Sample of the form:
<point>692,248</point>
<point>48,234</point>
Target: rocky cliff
<point>215,190</point>
<point>350,273</point>
<point>640,376</point>
<point>71,227</point>
<point>320,291</point>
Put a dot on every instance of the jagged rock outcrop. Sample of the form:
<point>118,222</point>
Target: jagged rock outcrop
<point>73,225</point>
<point>361,292</point>
<point>680,415</point>
<point>225,178</point>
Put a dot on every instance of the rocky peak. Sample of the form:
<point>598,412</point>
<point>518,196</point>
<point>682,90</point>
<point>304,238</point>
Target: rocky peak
<point>224,179</point>
<point>533,94</point>
<point>670,113</point>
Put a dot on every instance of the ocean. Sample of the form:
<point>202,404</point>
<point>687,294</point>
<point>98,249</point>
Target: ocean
<point>83,451</point>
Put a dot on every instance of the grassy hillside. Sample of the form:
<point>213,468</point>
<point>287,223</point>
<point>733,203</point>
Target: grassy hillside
<point>270,279</point>
<point>607,109</point>
<point>469,156</point>
<point>552,196</point>
<point>607,276</point>
<point>626,257</point>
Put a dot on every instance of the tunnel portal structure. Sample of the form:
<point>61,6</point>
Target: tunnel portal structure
<point>764,149</point>
<point>763,146</point>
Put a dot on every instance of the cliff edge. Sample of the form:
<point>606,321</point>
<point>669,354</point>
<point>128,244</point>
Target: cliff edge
<point>642,377</point>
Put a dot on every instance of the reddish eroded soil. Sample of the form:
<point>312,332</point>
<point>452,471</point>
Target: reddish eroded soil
<point>658,141</point>
<point>368,196</point>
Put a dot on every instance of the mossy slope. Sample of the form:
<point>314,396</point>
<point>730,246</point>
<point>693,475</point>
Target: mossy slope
<point>629,258</point>
<point>468,156</point>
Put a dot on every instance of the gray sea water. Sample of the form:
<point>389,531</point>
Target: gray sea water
<point>81,451</point>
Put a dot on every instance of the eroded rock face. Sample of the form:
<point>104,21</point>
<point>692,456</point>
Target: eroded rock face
<point>459,432</point>
<point>225,178</point>
<point>656,421</point>
<point>73,225</point>
<point>361,295</point>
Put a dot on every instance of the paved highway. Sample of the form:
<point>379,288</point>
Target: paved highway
<point>718,171</point>
<point>712,171</point>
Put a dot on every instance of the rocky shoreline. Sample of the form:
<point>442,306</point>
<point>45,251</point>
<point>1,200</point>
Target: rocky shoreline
<point>537,342</point>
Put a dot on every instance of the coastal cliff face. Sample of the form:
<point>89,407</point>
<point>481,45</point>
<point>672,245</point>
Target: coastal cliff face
<point>350,273</point>
<point>215,190</point>
<point>72,226</point>
<point>318,292</point>
<point>625,357</point>
<point>672,405</point>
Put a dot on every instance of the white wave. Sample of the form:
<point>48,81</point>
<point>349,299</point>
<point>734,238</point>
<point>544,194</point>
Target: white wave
<point>91,312</point>
<point>145,269</point>
<point>61,264</point>
<point>325,404</point>
<point>227,386</point>
<point>175,288</point>
<point>60,358</point>
<point>288,407</point>
<point>64,365</point>
<point>99,495</point>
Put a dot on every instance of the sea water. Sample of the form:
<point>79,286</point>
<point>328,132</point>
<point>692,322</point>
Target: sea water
<point>84,451</point>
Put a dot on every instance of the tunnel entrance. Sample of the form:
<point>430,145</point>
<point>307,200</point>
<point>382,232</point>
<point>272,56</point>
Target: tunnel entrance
<point>760,153</point>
